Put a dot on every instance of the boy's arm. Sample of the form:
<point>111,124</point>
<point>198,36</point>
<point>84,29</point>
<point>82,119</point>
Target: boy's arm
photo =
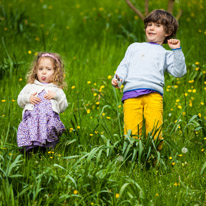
<point>175,60</point>
<point>122,69</point>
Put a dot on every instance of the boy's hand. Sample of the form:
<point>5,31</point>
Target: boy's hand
<point>174,43</point>
<point>116,82</point>
<point>34,100</point>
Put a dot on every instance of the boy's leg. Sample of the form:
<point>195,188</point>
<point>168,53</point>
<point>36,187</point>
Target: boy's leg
<point>153,113</point>
<point>133,110</point>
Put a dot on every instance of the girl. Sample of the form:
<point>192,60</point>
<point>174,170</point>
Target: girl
<point>42,99</point>
<point>142,73</point>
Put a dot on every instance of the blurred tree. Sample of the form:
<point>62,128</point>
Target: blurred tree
<point>142,16</point>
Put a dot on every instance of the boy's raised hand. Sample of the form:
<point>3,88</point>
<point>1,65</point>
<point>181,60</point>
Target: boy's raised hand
<point>174,43</point>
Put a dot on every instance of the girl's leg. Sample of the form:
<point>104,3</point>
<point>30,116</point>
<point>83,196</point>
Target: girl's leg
<point>133,111</point>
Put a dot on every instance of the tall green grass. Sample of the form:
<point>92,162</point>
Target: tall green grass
<point>93,164</point>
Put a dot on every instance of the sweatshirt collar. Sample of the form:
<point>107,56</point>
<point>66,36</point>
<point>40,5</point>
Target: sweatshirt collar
<point>41,84</point>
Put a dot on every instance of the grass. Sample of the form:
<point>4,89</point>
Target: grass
<point>93,164</point>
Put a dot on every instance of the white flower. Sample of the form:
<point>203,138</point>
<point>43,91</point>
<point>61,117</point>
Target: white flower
<point>184,150</point>
<point>120,158</point>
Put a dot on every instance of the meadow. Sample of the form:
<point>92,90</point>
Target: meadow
<point>93,164</point>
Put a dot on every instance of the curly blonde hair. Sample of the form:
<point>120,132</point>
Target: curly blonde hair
<point>58,77</point>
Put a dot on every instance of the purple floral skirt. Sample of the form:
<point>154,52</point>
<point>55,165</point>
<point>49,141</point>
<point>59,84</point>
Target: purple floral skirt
<point>40,127</point>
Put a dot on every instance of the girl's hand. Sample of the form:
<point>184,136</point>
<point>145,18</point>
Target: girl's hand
<point>116,82</point>
<point>34,100</point>
<point>174,43</point>
<point>50,95</point>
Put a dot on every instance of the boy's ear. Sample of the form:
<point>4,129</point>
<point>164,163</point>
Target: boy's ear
<point>168,34</point>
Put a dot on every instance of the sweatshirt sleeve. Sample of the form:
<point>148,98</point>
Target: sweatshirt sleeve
<point>176,63</point>
<point>62,100</point>
<point>122,69</point>
<point>24,95</point>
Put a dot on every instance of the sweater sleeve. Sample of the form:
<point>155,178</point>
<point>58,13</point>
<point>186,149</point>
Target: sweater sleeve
<point>24,95</point>
<point>122,69</point>
<point>176,63</point>
<point>62,100</point>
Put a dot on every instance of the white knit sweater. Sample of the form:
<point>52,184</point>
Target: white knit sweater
<point>59,104</point>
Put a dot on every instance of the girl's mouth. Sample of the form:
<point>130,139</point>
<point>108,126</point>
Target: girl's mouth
<point>43,78</point>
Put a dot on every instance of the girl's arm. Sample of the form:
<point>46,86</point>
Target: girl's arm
<point>24,96</point>
<point>61,99</point>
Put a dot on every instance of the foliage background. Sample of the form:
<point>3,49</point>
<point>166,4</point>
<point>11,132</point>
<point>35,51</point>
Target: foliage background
<point>93,164</point>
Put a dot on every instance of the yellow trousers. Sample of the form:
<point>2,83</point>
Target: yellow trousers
<point>149,106</point>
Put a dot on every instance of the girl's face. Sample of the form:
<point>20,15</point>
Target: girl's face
<point>45,70</point>
<point>155,33</point>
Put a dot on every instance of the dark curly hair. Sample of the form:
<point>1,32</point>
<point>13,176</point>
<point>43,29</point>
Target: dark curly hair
<point>166,19</point>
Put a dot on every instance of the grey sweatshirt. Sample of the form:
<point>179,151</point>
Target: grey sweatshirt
<point>144,65</point>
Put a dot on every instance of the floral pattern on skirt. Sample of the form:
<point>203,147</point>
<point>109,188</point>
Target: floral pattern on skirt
<point>40,127</point>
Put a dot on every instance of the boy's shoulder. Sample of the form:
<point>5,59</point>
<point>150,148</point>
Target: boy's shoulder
<point>147,46</point>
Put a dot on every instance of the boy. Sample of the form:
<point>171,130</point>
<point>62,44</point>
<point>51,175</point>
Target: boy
<point>142,72</point>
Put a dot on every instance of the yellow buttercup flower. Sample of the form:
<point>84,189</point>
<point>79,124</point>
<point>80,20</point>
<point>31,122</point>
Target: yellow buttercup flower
<point>75,192</point>
<point>179,107</point>
<point>3,100</point>
<point>109,77</point>
<point>117,195</point>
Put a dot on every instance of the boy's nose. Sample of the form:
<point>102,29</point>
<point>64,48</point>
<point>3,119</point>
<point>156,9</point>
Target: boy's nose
<point>152,27</point>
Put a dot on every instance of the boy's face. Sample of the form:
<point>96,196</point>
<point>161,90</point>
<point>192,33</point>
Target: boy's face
<point>155,33</point>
